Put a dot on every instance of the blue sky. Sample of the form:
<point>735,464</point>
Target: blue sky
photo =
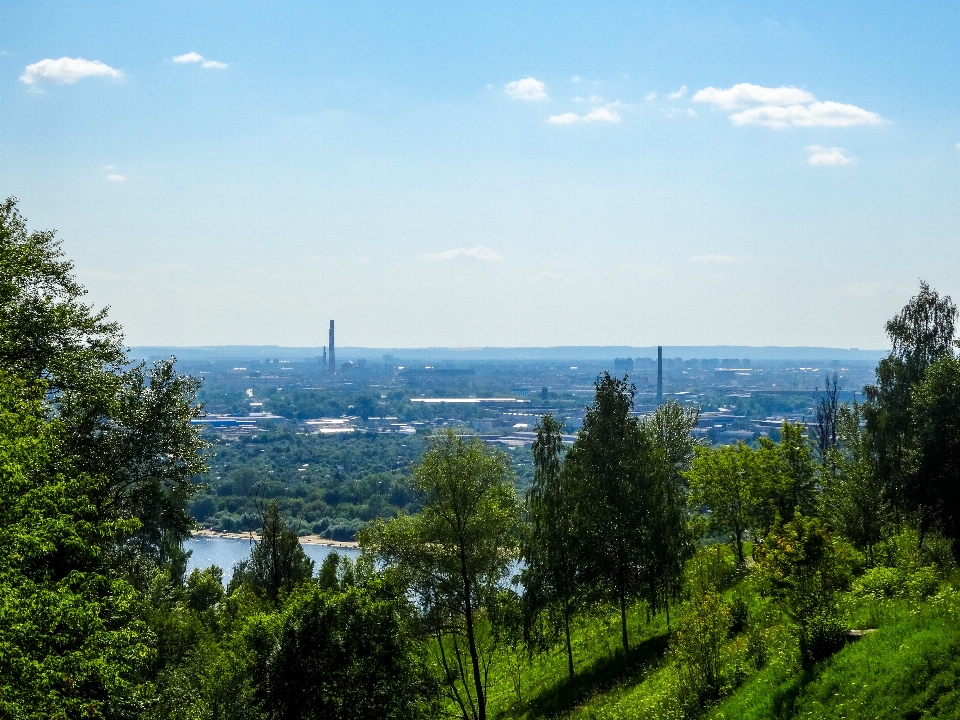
<point>492,173</point>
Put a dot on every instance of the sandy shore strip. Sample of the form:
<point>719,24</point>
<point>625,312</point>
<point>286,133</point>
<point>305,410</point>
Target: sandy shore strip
<point>304,539</point>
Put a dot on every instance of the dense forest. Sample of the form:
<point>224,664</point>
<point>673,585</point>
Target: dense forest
<point>642,575</point>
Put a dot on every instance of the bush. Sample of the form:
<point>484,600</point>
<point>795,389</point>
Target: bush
<point>697,645</point>
<point>805,567</point>
<point>739,613</point>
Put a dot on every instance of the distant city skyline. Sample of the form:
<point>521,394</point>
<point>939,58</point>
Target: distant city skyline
<point>497,174</point>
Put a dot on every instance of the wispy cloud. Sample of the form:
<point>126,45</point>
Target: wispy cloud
<point>576,79</point>
<point>600,114</point>
<point>66,71</point>
<point>713,259</point>
<point>679,93</point>
<point>547,275</point>
<point>783,106</point>
<point>831,157</point>
<point>194,57</point>
<point>116,178</point>
<point>480,252</point>
<point>528,90</point>
<point>650,96</point>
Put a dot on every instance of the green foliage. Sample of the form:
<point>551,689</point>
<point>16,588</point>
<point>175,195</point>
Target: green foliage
<point>551,577</point>
<point>697,646</point>
<point>70,642</point>
<point>277,562</point>
<point>204,588</point>
<point>935,413</point>
<point>853,498</point>
<point>921,334</point>
<point>454,555</point>
<point>806,567</point>
<point>727,481</point>
<point>340,655</point>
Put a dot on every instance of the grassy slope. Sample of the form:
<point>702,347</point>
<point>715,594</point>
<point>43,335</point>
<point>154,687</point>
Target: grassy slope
<point>908,668</point>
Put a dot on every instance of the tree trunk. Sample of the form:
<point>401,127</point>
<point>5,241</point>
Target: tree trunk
<point>472,644</point>
<point>739,536</point>
<point>566,628</point>
<point>623,622</point>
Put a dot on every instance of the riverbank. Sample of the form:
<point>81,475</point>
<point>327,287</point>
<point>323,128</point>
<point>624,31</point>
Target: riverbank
<point>252,536</point>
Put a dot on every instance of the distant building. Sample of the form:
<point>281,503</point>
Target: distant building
<point>333,358</point>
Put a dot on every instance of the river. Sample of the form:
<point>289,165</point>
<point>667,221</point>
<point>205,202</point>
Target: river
<point>227,552</point>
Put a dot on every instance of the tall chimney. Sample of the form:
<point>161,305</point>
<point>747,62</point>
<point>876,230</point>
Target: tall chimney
<point>333,358</point>
<point>659,372</point>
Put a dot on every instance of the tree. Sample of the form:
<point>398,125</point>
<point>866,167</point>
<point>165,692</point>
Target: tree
<point>341,654</point>
<point>454,554</point>
<point>935,485</point>
<point>727,481</point>
<point>805,569</point>
<point>607,460</point>
<point>853,499</point>
<point>277,562</point>
<point>128,425</point>
<point>920,334</point>
<point>550,577</point>
<point>71,645</point>
<point>787,476</point>
<point>667,542</point>
<point>825,428</point>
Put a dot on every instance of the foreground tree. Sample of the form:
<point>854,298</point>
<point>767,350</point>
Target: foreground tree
<point>277,562</point>
<point>920,334</point>
<point>343,654</point>
<point>129,426</point>
<point>727,482</point>
<point>551,573</point>
<point>935,486</point>
<point>71,645</point>
<point>454,555</point>
<point>853,498</point>
<point>667,541</point>
<point>607,461</point>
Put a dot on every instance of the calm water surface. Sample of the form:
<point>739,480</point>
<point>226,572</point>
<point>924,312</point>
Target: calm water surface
<point>227,552</point>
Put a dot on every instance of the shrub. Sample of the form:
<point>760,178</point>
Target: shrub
<point>739,613</point>
<point>697,646</point>
<point>805,567</point>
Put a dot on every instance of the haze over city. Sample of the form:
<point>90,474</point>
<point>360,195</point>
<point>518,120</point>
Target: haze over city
<point>494,174</point>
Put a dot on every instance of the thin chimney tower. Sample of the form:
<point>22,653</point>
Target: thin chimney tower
<point>659,373</point>
<point>333,358</point>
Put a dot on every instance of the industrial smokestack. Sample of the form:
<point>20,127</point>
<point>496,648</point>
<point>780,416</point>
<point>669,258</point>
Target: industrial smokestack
<point>333,357</point>
<point>659,372</point>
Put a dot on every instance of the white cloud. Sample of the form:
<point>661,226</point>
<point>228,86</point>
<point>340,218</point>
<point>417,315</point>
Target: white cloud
<point>831,157</point>
<point>600,114</point>
<point>116,178</point>
<point>679,93</point>
<point>784,106</point>
<point>528,89</point>
<point>564,119</point>
<point>713,259</point>
<point>818,114</point>
<point>650,96</point>
<point>67,70</point>
<point>190,57</point>
<point>746,94</point>
<point>480,252</point>
<point>575,78</point>
<point>957,147</point>
<point>195,57</point>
